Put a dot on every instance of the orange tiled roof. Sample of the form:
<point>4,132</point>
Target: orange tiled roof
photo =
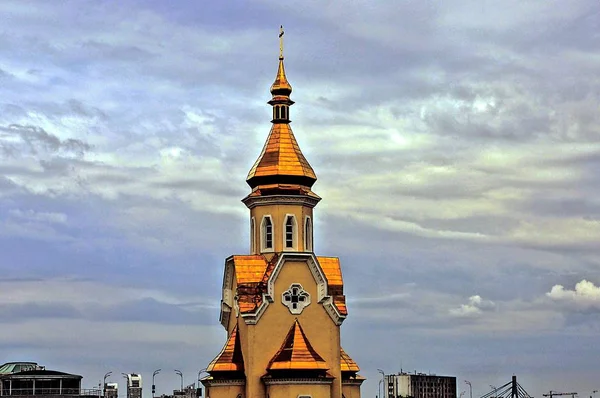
<point>249,268</point>
<point>347,363</point>
<point>253,271</point>
<point>332,269</point>
<point>230,358</point>
<point>335,283</point>
<point>281,156</point>
<point>296,353</point>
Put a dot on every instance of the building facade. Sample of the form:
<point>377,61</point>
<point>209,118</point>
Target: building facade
<point>28,379</point>
<point>282,306</point>
<point>419,385</point>
<point>134,385</point>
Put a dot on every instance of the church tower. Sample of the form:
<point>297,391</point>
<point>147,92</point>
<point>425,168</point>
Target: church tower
<point>282,305</point>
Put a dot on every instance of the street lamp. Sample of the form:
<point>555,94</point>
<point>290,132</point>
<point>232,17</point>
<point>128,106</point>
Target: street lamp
<point>382,381</point>
<point>104,385</point>
<point>470,388</point>
<point>461,394</point>
<point>157,371</point>
<point>126,377</point>
<point>180,375</point>
<point>199,373</point>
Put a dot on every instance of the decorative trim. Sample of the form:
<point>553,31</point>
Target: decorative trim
<point>303,302</point>
<point>223,382</point>
<point>254,201</point>
<point>227,300</point>
<point>290,380</point>
<point>308,238</point>
<point>252,235</point>
<point>353,382</point>
<point>294,233</point>
<point>263,235</point>
<point>318,275</point>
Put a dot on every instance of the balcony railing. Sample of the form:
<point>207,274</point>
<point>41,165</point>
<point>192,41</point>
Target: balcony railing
<point>20,392</point>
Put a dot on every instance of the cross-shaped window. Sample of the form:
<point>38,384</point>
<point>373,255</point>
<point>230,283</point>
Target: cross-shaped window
<point>295,298</point>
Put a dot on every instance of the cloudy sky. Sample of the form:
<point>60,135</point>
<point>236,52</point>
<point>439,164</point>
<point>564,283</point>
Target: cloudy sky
<point>457,149</point>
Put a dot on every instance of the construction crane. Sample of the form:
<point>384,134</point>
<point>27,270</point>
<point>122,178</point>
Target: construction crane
<point>554,394</point>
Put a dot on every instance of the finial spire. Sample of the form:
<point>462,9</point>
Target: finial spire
<point>281,32</point>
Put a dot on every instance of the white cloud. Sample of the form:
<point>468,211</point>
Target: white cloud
<point>585,296</point>
<point>475,307</point>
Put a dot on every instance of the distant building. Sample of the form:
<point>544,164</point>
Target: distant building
<point>111,390</point>
<point>31,380</point>
<point>187,392</point>
<point>419,385</point>
<point>134,385</point>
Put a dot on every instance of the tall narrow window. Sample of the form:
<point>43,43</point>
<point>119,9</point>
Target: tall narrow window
<point>308,246</point>
<point>289,232</point>
<point>284,110</point>
<point>267,233</point>
<point>277,112</point>
<point>252,237</point>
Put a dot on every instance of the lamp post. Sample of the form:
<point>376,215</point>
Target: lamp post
<point>382,382</point>
<point>461,394</point>
<point>126,377</point>
<point>180,375</point>
<point>104,385</point>
<point>157,371</point>
<point>470,388</point>
<point>199,373</point>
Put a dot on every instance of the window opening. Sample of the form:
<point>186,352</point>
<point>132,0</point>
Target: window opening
<point>268,233</point>
<point>307,235</point>
<point>289,232</point>
<point>295,298</point>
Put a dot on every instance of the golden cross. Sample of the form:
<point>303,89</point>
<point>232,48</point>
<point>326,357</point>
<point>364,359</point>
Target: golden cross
<point>281,42</point>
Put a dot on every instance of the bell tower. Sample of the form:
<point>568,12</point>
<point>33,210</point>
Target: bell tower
<point>281,202</point>
<point>282,306</point>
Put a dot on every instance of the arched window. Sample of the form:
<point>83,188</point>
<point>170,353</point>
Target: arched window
<point>284,110</point>
<point>252,237</point>
<point>290,232</point>
<point>308,244</point>
<point>277,112</point>
<point>267,233</point>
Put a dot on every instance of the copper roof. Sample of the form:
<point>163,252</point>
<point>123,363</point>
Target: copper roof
<point>335,284</point>
<point>332,270</point>
<point>252,273</point>
<point>281,160</point>
<point>281,86</point>
<point>296,353</point>
<point>230,358</point>
<point>347,363</point>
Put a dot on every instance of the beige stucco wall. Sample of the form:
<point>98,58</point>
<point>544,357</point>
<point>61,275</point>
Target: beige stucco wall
<point>224,391</point>
<point>351,391</point>
<point>278,215</point>
<point>295,390</point>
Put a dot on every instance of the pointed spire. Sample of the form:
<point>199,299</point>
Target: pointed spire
<point>281,86</point>
<point>296,353</point>
<point>281,160</point>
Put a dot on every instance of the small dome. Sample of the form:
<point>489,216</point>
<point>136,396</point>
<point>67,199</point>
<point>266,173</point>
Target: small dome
<point>281,86</point>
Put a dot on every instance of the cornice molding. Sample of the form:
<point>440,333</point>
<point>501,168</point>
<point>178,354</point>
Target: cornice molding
<point>254,201</point>
<point>297,380</point>
<point>223,382</point>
